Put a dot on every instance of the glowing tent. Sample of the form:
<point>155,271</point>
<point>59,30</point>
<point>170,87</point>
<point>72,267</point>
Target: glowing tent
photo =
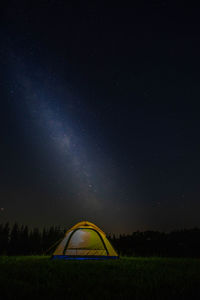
<point>85,241</point>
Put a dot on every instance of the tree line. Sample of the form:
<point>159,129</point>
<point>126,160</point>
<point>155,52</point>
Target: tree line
<point>21,240</point>
<point>179,243</point>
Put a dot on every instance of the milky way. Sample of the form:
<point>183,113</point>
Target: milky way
<point>66,144</point>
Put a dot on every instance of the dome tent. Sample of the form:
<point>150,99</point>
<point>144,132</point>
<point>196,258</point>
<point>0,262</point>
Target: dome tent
<point>85,241</point>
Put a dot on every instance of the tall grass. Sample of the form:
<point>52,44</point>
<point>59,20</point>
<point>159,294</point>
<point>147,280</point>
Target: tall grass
<point>38,277</point>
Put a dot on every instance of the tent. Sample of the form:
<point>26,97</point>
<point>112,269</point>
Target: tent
<point>85,241</point>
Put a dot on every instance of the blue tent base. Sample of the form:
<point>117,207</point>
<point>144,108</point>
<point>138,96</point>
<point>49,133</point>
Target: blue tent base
<point>88,257</point>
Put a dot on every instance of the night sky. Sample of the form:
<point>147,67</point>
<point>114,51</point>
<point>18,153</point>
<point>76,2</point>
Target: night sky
<point>99,114</point>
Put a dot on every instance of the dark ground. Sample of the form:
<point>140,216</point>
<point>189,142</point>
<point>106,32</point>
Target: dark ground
<point>37,277</point>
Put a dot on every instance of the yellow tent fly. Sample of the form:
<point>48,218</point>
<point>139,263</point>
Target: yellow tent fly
<point>85,241</point>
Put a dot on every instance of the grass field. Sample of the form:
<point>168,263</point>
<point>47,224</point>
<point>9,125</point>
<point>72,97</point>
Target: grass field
<point>37,277</point>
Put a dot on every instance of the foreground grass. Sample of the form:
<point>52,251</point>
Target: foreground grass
<point>37,277</point>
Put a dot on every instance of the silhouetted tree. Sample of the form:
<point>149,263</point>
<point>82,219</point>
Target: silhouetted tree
<point>4,238</point>
<point>14,243</point>
<point>24,240</point>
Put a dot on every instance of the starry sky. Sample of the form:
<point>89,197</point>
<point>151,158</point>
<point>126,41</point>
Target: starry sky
<point>99,114</point>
